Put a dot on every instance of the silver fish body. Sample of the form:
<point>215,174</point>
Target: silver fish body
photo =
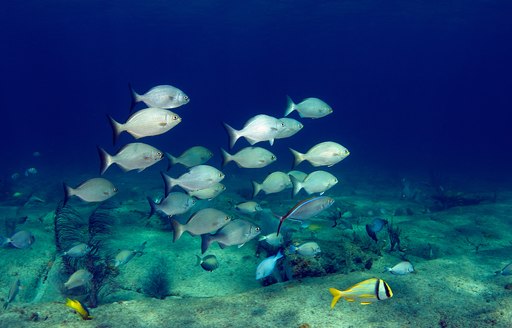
<point>160,96</point>
<point>193,156</point>
<point>273,239</point>
<point>258,128</point>
<point>13,292</point>
<point>124,256</point>
<point>299,175</point>
<point>402,268</point>
<point>79,278</point>
<point>92,190</point>
<point>315,182</point>
<point>309,107</point>
<point>77,251</point>
<point>249,207</point>
<point>22,239</point>
<point>275,182</point>
<point>237,232</point>
<point>133,156</point>
<point>175,203</point>
<point>204,221</point>
<point>308,249</point>
<point>249,157</point>
<point>197,178</point>
<point>145,123</point>
<point>506,271</point>
<point>325,153</point>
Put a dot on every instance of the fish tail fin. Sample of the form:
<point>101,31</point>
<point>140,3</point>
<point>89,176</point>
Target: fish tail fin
<point>206,241</point>
<point>226,157</point>
<point>336,295</point>
<point>68,192</point>
<point>168,183</point>
<point>198,260</point>
<point>105,159</point>
<point>233,135</point>
<point>4,241</point>
<point>299,157</point>
<point>135,97</point>
<point>256,187</point>
<point>171,160</point>
<point>290,107</point>
<point>297,185</point>
<point>153,205</point>
<point>117,128</point>
<point>178,228</point>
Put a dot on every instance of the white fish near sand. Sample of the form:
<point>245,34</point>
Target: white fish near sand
<point>208,193</point>
<point>146,122</point>
<point>13,291</point>
<point>308,249</point>
<point>204,221</point>
<point>315,182</point>
<point>22,239</point>
<point>92,190</point>
<point>275,182</point>
<point>291,127</point>
<point>309,107</point>
<point>77,251</point>
<point>79,278</point>
<point>325,153</point>
<point>197,178</point>
<point>401,268</point>
<point>249,157</point>
<point>258,128</point>
<point>268,265</point>
<point>133,156</point>
<point>249,207</point>
<point>193,156</point>
<point>273,239</point>
<point>174,204</point>
<point>160,96</point>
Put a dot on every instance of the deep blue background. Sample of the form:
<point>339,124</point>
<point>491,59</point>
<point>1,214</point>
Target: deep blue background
<point>414,84</point>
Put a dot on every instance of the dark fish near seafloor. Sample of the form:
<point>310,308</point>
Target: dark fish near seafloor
<point>375,226</point>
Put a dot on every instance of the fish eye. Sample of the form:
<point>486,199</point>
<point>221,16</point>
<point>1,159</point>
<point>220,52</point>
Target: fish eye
<point>282,124</point>
<point>175,117</point>
<point>228,218</point>
<point>257,228</point>
<point>159,154</point>
<point>273,157</point>
<point>115,189</point>
<point>186,97</point>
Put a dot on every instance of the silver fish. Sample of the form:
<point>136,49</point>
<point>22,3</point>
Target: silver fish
<point>258,128</point>
<point>77,251</point>
<point>249,157</point>
<point>93,190</point>
<point>175,203</point>
<point>268,265</point>
<point>208,193</point>
<point>248,207</point>
<point>306,209</point>
<point>309,107</point>
<point>237,232</point>
<point>291,127</point>
<point>315,182</point>
<point>401,268</point>
<point>506,271</point>
<point>274,182</point>
<point>307,249</point>
<point>273,239</point>
<point>125,255</point>
<point>323,154</point>
<point>160,96</point>
<point>197,178</point>
<point>299,175</point>
<point>13,291</point>
<point>133,156</point>
<point>21,239</point>
<point>79,278</point>
<point>193,156</point>
<point>204,221</point>
<point>146,122</point>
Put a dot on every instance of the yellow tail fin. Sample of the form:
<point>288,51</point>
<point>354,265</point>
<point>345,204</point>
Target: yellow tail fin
<point>336,294</point>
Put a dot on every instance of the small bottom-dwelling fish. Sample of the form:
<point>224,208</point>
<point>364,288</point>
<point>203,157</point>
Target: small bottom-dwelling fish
<point>79,308</point>
<point>365,292</point>
<point>13,291</point>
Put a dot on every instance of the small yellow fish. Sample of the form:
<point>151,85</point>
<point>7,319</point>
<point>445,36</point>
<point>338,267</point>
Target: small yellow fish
<point>365,292</point>
<point>80,308</point>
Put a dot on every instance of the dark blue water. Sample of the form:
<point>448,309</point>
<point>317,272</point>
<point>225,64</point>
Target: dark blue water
<point>413,84</point>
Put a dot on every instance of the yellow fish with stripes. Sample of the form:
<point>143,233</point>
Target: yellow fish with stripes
<point>365,292</point>
<point>79,308</point>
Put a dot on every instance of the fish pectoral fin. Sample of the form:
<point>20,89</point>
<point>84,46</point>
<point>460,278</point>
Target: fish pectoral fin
<point>241,245</point>
<point>162,124</point>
